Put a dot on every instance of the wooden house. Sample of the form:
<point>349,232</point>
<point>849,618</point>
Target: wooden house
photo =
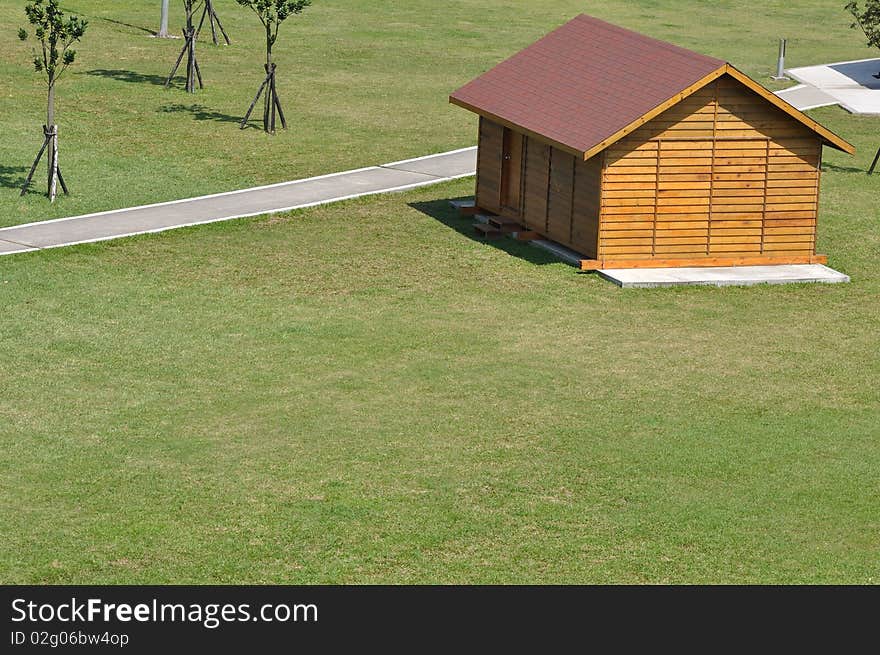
<point>638,153</point>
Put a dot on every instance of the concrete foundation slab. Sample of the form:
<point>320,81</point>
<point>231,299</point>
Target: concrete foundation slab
<point>722,276</point>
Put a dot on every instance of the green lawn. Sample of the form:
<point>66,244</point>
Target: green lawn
<point>362,392</point>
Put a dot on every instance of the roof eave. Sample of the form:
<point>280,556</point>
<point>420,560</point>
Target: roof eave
<point>519,128</point>
<point>828,137</point>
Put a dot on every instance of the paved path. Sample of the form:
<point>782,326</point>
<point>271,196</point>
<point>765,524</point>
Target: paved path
<point>804,96</point>
<point>285,196</point>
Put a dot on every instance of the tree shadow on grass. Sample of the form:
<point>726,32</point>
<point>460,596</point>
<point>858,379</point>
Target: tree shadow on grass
<point>12,177</point>
<point>443,212</point>
<point>128,76</point>
<point>199,113</point>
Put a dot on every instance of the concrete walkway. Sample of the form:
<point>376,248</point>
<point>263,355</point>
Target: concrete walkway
<point>851,84</point>
<point>396,176</point>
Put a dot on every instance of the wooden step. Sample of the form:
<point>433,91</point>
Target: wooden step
<point>465,207</point>
<point>506,225</point>
<point>488,231</point>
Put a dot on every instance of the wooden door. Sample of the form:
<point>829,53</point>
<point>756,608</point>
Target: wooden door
<point>511,171</point>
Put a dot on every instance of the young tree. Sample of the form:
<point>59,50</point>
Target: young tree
<point>189,49</point>
<point>271,13</point>
<point>867,19</point>
<point>56,33</point>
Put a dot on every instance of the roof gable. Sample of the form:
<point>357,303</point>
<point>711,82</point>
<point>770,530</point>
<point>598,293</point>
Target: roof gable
<point>589,83</point>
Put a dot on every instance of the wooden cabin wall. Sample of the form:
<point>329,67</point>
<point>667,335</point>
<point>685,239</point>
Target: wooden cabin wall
<point>561,196</point>
<point>723,173</point>
<point>536,181</point>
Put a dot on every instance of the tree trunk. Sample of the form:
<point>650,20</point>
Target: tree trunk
<point>53,145</point>
<point>53,165</point>
<point>50,105</point>
<point>267,100</point>
<point>163,25</point>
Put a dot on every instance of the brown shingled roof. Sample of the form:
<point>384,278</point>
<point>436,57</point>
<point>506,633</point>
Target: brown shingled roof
<point>584,83</point>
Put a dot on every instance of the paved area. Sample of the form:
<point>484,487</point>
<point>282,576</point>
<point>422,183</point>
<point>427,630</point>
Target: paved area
<point>395,176</point>
<point>722,276</point>
<point>804,96</point>
<point>851,84</point>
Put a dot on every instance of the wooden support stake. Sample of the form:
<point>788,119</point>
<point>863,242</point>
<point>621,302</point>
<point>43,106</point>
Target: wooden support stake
<point>30,176</point>
<point>53,176</point>
<point>874,163</point>
<point>193,72</point>
<point>271,103</point>
<point>254,103</point>
<point>211,14</point>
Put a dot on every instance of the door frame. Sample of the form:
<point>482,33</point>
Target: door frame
<point>512,163</point>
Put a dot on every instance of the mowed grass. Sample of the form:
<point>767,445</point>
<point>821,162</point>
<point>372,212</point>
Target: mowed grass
<point>363,393</point>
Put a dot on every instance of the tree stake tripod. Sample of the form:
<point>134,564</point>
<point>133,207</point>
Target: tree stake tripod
<point>271,102</point>
<point>50,142</point>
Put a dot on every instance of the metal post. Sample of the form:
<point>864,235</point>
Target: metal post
<point>163,25</point>
<point>780,63</point>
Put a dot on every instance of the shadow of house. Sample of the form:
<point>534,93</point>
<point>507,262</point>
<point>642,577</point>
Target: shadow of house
<point>128,76</point>
<point>443,212</point>
<point>12,177</point>
<point>861,72</point>
<point>199,113</point>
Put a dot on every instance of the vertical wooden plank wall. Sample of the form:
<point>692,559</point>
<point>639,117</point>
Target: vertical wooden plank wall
<point>559,204</point>
<point>561,196</point>
<point>536,185</point>
<point>722,173</point>
<point>586,202</point>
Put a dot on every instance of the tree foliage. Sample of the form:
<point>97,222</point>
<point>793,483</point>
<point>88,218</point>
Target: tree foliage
<point>56,34</point>
<point>274,12</point>
<point>867,19</point>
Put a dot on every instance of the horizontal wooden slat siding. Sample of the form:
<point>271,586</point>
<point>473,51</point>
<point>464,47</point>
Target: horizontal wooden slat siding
<point>489,156</point>
<point>683,198</point>
<point>586,202</point>
<point>737,203</point>
<point>629,197</point>
<point>713,179</point>
<point>536,185</point>
<point>791,204</point>
<point>559,200</point>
